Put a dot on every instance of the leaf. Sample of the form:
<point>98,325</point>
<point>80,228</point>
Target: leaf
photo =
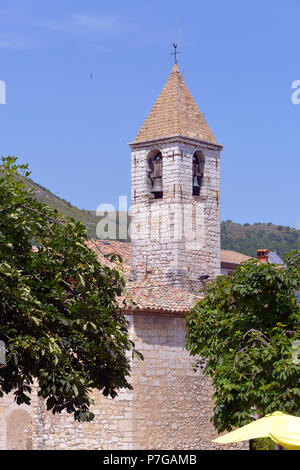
<point>35,320</point>
<point>81,280</point>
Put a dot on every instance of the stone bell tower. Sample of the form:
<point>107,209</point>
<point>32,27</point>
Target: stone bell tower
<point>175,193</point>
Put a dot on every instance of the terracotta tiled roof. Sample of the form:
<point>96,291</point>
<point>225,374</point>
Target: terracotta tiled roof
<point>233,257</point>
<point>175,113</point>
<point>103,248</point>
<point>146,295</point>
<point>142,295</point>
<point>156,297</point>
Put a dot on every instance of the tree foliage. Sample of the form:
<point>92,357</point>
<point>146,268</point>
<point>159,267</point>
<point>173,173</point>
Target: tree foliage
<point>246,333</point>
<point>59,315</point>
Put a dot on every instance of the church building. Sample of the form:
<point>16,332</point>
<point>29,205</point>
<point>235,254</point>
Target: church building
<point>174,250</point>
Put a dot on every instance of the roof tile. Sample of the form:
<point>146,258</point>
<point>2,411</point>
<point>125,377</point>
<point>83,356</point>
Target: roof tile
<point>175,113</point>
<point>146,294</point>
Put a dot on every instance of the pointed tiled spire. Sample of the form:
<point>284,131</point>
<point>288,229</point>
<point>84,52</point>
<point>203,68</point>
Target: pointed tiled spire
<point>175,113</point>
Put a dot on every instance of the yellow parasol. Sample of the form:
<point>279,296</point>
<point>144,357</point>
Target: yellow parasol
<point>281,428</point>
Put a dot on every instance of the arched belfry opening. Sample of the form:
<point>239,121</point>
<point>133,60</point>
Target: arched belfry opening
<point>155,174</point>
<point>198,170</point>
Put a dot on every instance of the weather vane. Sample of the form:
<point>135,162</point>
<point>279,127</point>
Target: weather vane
<point>175,52</point>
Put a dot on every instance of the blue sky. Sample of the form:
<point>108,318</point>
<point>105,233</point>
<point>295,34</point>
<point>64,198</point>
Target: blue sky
<point>238,59</point>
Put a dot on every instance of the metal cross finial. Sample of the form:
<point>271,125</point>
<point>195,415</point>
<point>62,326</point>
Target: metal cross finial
<point>175,52</point>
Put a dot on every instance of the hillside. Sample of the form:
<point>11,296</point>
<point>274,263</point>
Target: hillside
<point>242,238</point>
<point>88,218</point>
<point>247,238</point>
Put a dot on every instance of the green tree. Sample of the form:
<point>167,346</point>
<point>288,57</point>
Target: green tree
<point>245,334</point>
<point>59,315</point>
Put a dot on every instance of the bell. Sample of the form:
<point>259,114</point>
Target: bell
<point>157,186</point>
<point>196,182</point>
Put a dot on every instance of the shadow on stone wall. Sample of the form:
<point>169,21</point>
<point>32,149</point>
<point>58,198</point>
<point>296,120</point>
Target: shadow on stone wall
<point>18,430</point>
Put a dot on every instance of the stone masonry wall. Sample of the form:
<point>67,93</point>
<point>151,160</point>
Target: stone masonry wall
<point>172,404</point>
<point>15,425</point>
<point>169,408</point>
<point>110,429</point>
<point>175,239</point>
